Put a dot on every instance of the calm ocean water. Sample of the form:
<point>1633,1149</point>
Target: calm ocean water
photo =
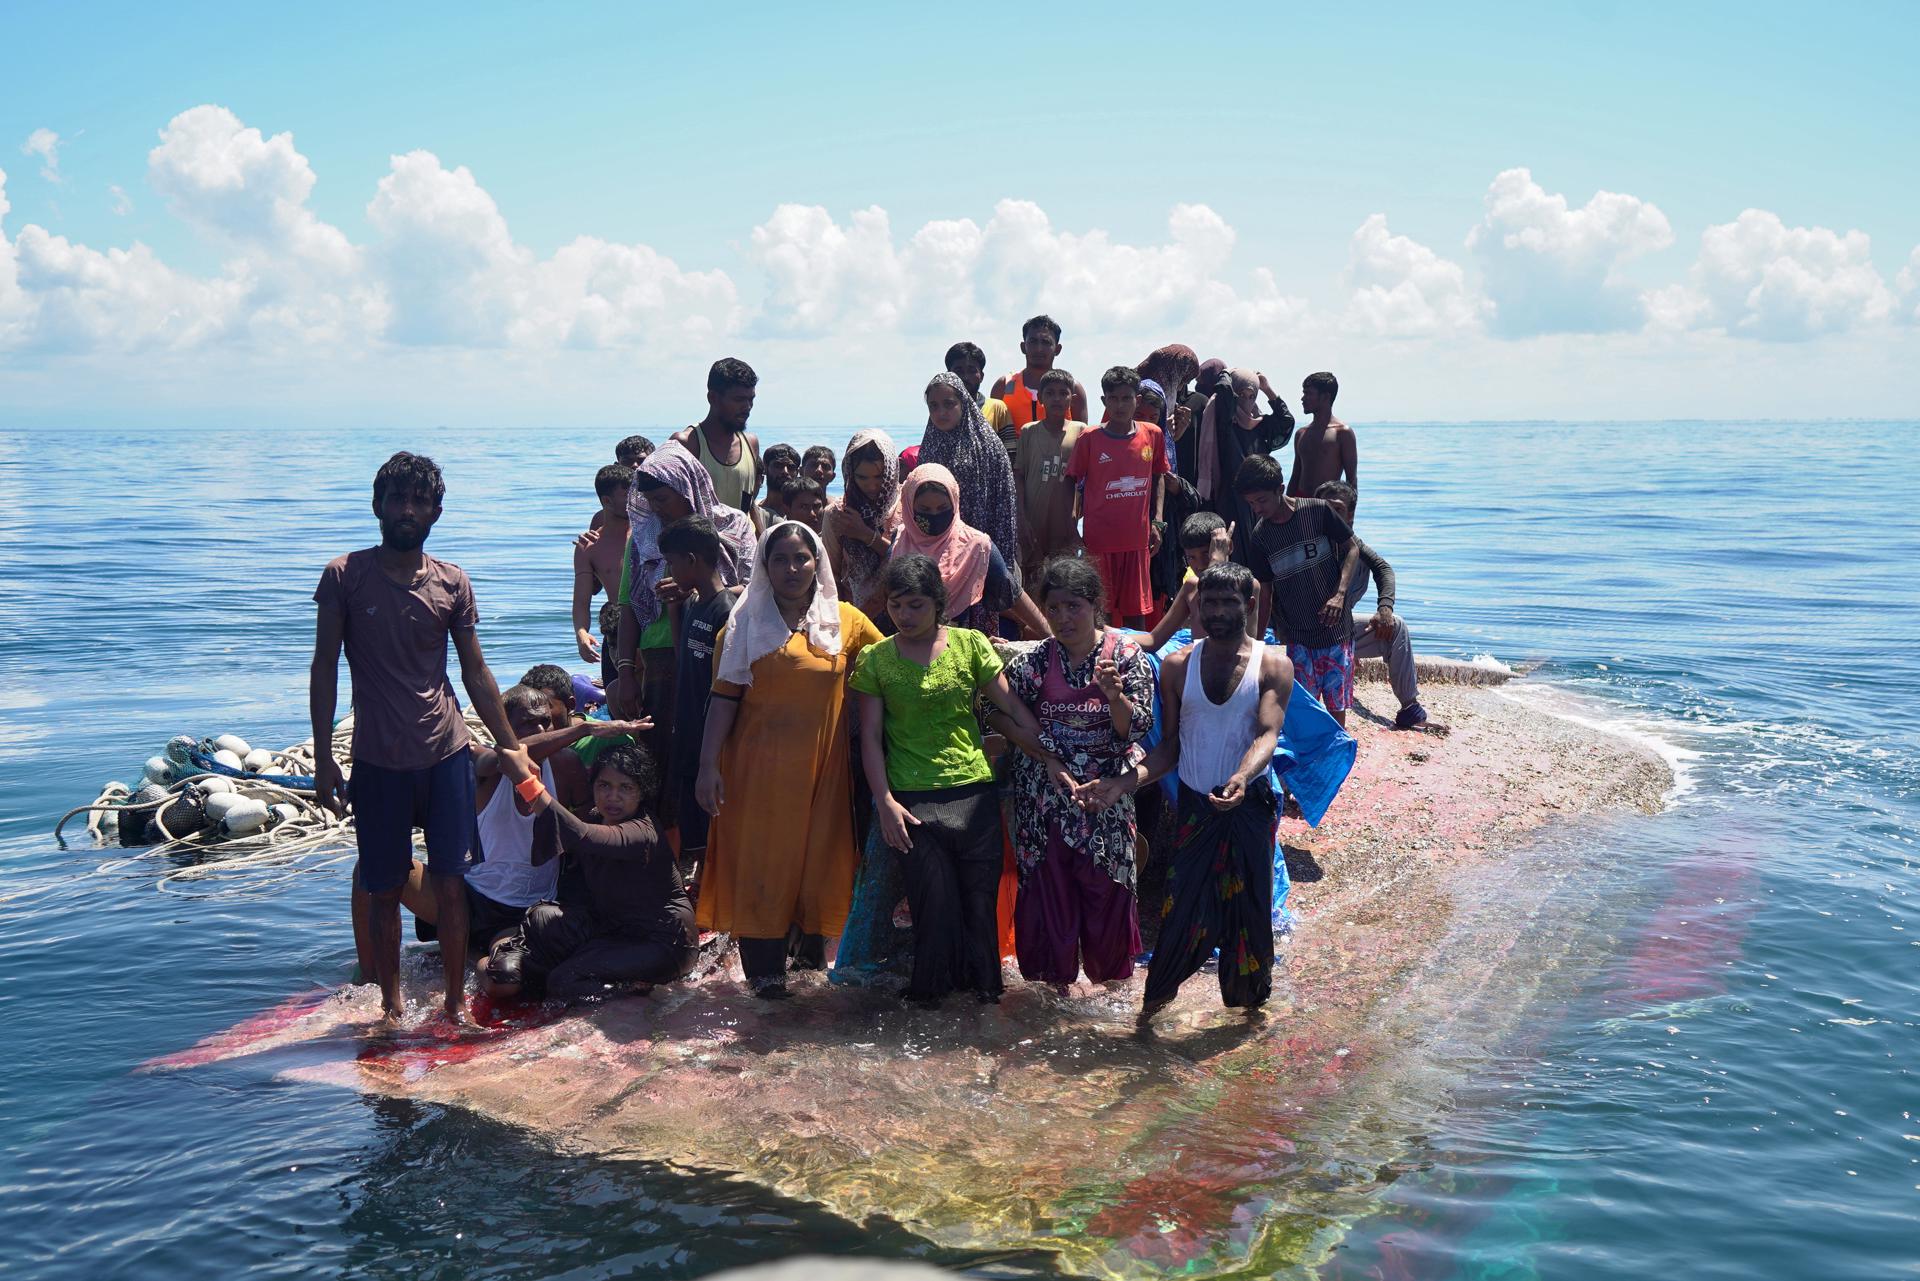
<point>1719,1079</point>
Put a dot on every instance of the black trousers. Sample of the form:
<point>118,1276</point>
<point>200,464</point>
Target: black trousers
<point>1219,895</point>
<point>570,956</point>
<point>952,874</point>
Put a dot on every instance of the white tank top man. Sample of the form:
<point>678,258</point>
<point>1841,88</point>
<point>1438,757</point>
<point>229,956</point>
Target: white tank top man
<point>1223,700</point>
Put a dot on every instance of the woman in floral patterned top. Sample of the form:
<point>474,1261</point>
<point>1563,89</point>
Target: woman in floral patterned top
<point>1092,692</point>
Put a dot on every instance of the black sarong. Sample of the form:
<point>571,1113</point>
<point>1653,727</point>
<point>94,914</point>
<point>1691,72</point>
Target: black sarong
<point>1219,895</point>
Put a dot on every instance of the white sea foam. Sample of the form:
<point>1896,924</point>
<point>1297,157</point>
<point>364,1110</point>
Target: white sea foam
<point>1658,734</point>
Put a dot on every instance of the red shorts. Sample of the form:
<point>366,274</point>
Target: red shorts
<point>1129,591</point>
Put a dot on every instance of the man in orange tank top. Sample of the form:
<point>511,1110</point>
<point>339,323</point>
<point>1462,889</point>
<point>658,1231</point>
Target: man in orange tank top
<point>1040,344</point>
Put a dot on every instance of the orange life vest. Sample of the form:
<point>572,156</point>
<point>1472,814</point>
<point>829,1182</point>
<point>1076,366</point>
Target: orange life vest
<point>1022,402</point>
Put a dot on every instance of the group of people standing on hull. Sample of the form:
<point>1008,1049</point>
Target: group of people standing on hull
<point>802,690</point>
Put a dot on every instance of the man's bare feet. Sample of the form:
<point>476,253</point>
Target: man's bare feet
<point>393,1013</point>
<point>456,1012</point>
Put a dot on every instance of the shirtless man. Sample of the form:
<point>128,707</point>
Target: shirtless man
<point>721,441</point>
<point>1325,448</point>
<point>1223,700</point>
<point>596,559</point>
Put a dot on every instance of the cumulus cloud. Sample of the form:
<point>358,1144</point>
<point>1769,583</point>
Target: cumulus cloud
<point>957,275</point>
<point>232,180</point>
<point>1402,289</point>
<point>44,143</point>
<point>454,275</point>
<point>1549,268</point>
<point>1759,278</point>
<point>1908,282</point>
<point>120,300</point>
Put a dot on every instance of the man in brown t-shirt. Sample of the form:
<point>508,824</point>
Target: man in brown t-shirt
<point>394,607</point>
<point>1044,493</point>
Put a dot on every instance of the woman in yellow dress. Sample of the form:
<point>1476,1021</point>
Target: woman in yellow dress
<point>773,761</point>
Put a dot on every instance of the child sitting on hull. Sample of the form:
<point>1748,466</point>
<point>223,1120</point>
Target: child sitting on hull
<point>622,915</point>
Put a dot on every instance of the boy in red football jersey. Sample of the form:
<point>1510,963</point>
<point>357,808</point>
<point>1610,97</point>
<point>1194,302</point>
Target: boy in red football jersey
<point>1121,471</point>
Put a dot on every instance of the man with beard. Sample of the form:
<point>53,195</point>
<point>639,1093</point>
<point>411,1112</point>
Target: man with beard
<point>393,607</point>
<point>721,441</point>
<point>1222,700</point>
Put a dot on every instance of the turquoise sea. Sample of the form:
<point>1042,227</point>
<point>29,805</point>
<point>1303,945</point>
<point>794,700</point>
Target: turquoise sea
<point>1716,1078</point>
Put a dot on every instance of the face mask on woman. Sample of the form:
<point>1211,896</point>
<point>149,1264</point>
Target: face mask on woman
<point>936,524</point>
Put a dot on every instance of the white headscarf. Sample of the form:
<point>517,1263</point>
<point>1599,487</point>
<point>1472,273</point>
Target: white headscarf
<point>756,628</point>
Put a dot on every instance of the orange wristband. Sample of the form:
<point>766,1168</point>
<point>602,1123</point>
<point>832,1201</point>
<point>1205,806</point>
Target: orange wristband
<point>529,789</point>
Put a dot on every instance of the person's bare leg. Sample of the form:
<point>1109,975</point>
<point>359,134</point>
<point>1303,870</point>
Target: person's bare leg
<point>383,941</point>
<point>360,906</point>
<point>417,897</point>
<point>450,895</point>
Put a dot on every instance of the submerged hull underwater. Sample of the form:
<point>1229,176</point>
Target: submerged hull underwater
<point>1434,902</point>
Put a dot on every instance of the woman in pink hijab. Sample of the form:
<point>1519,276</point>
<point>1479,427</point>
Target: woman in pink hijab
<point>979,586</point>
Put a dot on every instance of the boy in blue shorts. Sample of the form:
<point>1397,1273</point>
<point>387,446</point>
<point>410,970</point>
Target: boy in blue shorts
<point>393,608</point>
<point>1305,558</point>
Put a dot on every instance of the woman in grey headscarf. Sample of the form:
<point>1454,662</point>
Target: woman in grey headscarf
<point>959,439</point>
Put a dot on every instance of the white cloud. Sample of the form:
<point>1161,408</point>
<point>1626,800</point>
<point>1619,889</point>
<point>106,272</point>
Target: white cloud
<point>13,304</point>
<point>246,188</point>
<point>1759,278</point>
<point>593,294</point>
<point>1908,283</point>
<point>44,143</point>
<point>822,276</point>
<point>453,275</point>
<point>1551,269</point>
<point>451,269</point>
<point>1402,289</point>
<point>955,276</point>
<point>122,202</point>
<point>122,300</point>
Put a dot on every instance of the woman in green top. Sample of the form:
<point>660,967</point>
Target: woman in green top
<point>933,786</point>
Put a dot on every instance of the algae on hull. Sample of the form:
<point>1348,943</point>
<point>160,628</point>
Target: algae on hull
<point>1217,1146</point>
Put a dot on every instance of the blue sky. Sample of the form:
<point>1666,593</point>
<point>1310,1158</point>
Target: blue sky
<point>1205,174</point>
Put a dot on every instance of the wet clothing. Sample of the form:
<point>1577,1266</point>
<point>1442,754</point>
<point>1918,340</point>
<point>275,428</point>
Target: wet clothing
<point>1076,724</point>
<point>700,624</point>
<point>405,715</point>
<point>781,850</point>
<point>1063,851</point>
<point>388,804</point>
<point>1299,558</point>
<point>568,955</point>
<point>1071,916</point>
<point>1214,737</point>
<point>933,741</point>
<point>952,876</point>
<point>506,872</point>
<point>488,921</point>
<point>1219,894</point>
<point>1327,673</point>
<point>622,914</point>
